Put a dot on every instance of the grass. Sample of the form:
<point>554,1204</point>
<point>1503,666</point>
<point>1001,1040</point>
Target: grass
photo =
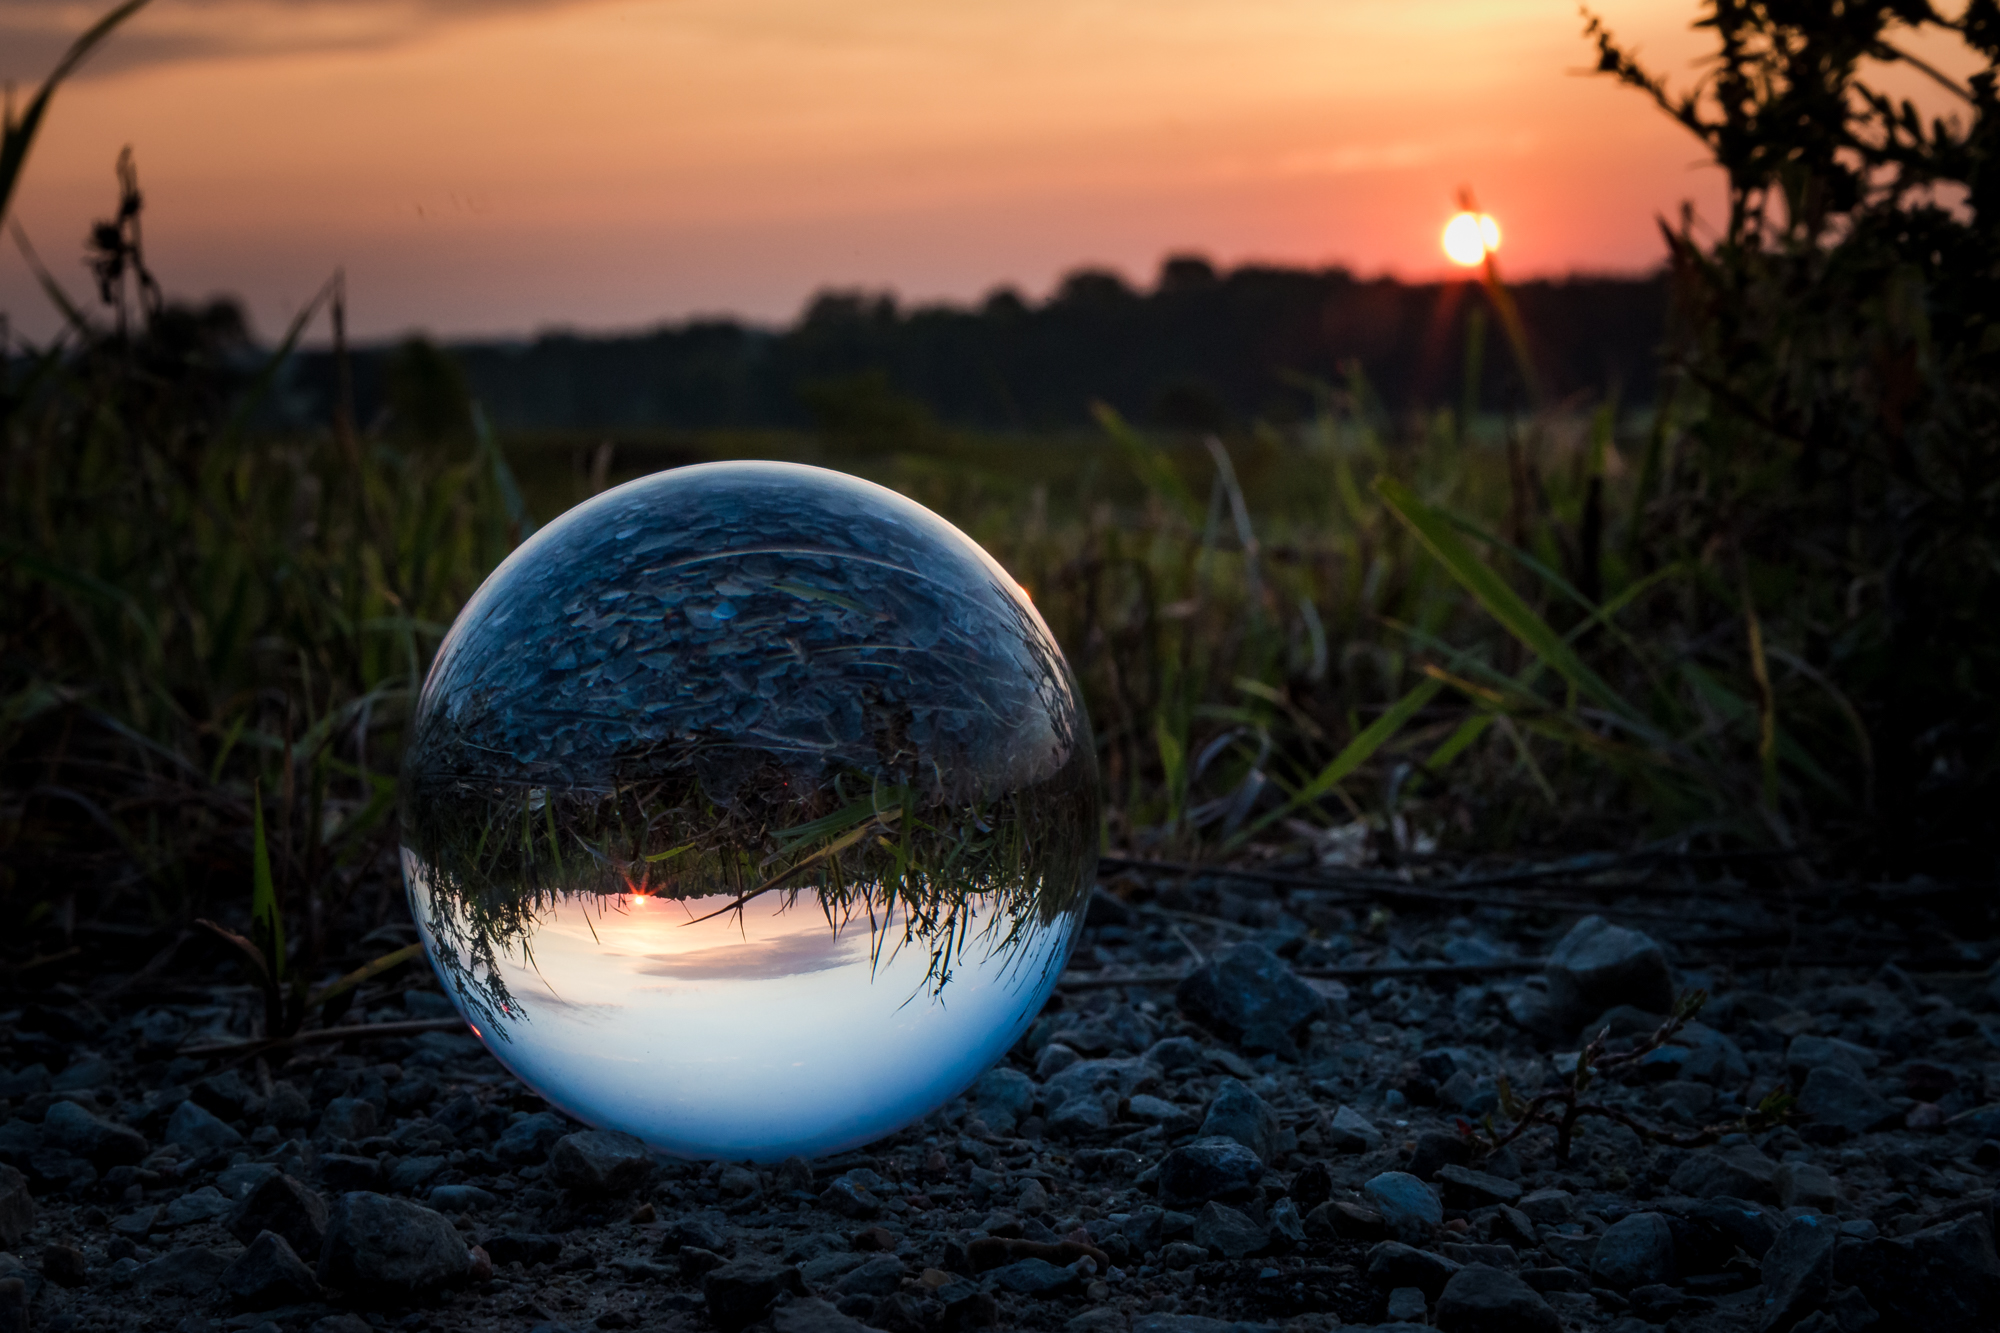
<point>1435,633</point>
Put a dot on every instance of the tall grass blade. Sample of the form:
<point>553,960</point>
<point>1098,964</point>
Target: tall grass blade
<point>17,136</point>
<point>1354,754</point>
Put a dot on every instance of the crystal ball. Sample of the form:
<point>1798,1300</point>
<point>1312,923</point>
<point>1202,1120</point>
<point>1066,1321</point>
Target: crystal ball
<point>749,809</point>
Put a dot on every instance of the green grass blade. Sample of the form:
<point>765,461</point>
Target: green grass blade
<point>1440,535</point>
<point>1353,755</point>
<point>265,919</point>
<point>1149,464</point>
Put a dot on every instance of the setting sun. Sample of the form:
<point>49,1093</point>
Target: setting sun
<point>1469,237</point>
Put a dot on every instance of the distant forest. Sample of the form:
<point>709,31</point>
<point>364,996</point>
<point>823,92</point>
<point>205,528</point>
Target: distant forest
<point>1201,349</point>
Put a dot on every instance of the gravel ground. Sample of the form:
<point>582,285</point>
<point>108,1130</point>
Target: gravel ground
<point>1243,1108</point>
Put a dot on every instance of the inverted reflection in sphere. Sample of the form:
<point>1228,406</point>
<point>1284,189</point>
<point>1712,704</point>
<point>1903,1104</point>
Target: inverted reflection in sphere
<point>750,809</point>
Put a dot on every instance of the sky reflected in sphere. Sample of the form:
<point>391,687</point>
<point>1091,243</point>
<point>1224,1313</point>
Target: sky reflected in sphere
<point>750,809</point>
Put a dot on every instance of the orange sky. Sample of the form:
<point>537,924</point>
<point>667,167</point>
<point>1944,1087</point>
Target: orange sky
<point>487,166</point>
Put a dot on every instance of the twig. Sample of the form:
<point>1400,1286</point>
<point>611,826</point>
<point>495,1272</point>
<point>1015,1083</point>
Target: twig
<point>1099,981</point>
<point>357,1032</point>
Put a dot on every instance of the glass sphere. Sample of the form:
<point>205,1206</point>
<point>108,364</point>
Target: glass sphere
<point>750,809</point>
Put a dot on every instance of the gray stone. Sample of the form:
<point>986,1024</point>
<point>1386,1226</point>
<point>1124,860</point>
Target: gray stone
<point>202,1205</point>
<point>741,1293</point>
<point>812,1315</point>
<point>1739,1172</point>
<point>1804,1185</point>
<point>1634,1252</point>
<point>1798,1272</point>
<point>194,1128</point>
<point>1240,1114</point>
<point>286,1106</point>
<point>1005,1097</point>
<point>413,1173</point>
<point>189,1272</point>
<point>1437,1148</point>
<point>1699,1054</point>
<point>1465,1188</point>
<point>881,1275</point>
<point>380,1249</point>
<point>528,1141</point>
<point>1078,1117</point>
<point>68,1126</point>
<point>282,1205</point>
<point>1394,1264</point>
<point>1151,1110</point>
<point>1222,1229</point>
<point>1410,1209</point>
<point>1249,993</point>
<point>1599,965</point>
<point>1347,1130</point>
<point>1483,1299</point>
<point>1407,1305</point>
<point>850,1196</point>
<point>1548,1206</point>
<point>1834,1098</point>
<point>13,1305</point>
<point>1287,1226</point>
<point>85,1075</point>
<point>1033,1277</point>
<point>1053,1059</point>
<point>17,1208</point>
<point>1942,1279</point>
<point>237,1181</point>
<point>460,1198</point>
<point>600,1163</point>
<point>1208,1169</point>
<point>268,1274</point>
<point>347,1119</point>
<point>1809,1051</point>
<point>1087,1078</point>
<point>1739,1223</point>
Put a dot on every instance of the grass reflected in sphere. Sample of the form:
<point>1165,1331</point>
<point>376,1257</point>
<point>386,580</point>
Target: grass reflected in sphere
<point>750,809</point>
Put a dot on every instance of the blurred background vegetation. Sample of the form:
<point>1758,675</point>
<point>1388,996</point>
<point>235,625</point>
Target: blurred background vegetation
<point>1705,563</point>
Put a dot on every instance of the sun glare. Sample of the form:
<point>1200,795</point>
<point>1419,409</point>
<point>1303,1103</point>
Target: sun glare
<point>1469,237</point>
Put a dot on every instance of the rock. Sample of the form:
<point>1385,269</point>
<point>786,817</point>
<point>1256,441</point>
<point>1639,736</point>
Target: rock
<point>1088,1078</point>
<point>1053,1059</point>
<point>64,1265</point>
<point>1032,1277</point>
<point>528,1141</point>
<point>1437,1148</point>
<point>194,1128</point>
<point>1312,1186</point>
<point>13,1305</point>
<point>850,1196</point>
<point>1809,1052</point>
<point>1249,993</point>
<point>739,1294</point>
<point>1079,1117</point>
<point>341,1172</point>
<point>282,1205</point>
<point>1410,1209</point>
<point>881,1276</point>
<point>380,1249</point>
<point>1943,1279</point>
<point>1698,1054</point>
<point>1599,965</point>
<point>812,1315</point>
<point>1842,1102</point>
<point>1739,1223</point>
<point>268,1274</point>
<point>347,1118</point>
<point>522,1247</point>
<point>1548,1206</point>
<point>286,1106</point>
<point>1240,1114</point>
<point>1287,1226</point>
<point>189,1272</point>
<point>413,1173</point>
<point>599,1163</point>
<point>1347,1220</point>
<point>1481,1299</point>
<point>1634,1252</point>
<point>1798,1272</point>
<point>85,1075</point>
<point>1406,1305</point>
<point>1222,1229</point>
<point>1150,1110</point>
<point>1005,1096</point>
<point>1803,1185</point>
<point>17,1208</point>
<point>73,1129</point>
<point>1463,1187</point>
<point>1208,1169</point>
<point>1394,1264</point>
<point>1739,1172</point>
<point>1350,1131</point>
<point>460,1198</point>
<point>202,1205</point>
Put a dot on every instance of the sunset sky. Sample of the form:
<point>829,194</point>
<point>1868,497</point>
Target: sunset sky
<point>501,166</point>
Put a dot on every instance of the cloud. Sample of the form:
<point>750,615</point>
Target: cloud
<point>762,960</point>
<point>35,33</point>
